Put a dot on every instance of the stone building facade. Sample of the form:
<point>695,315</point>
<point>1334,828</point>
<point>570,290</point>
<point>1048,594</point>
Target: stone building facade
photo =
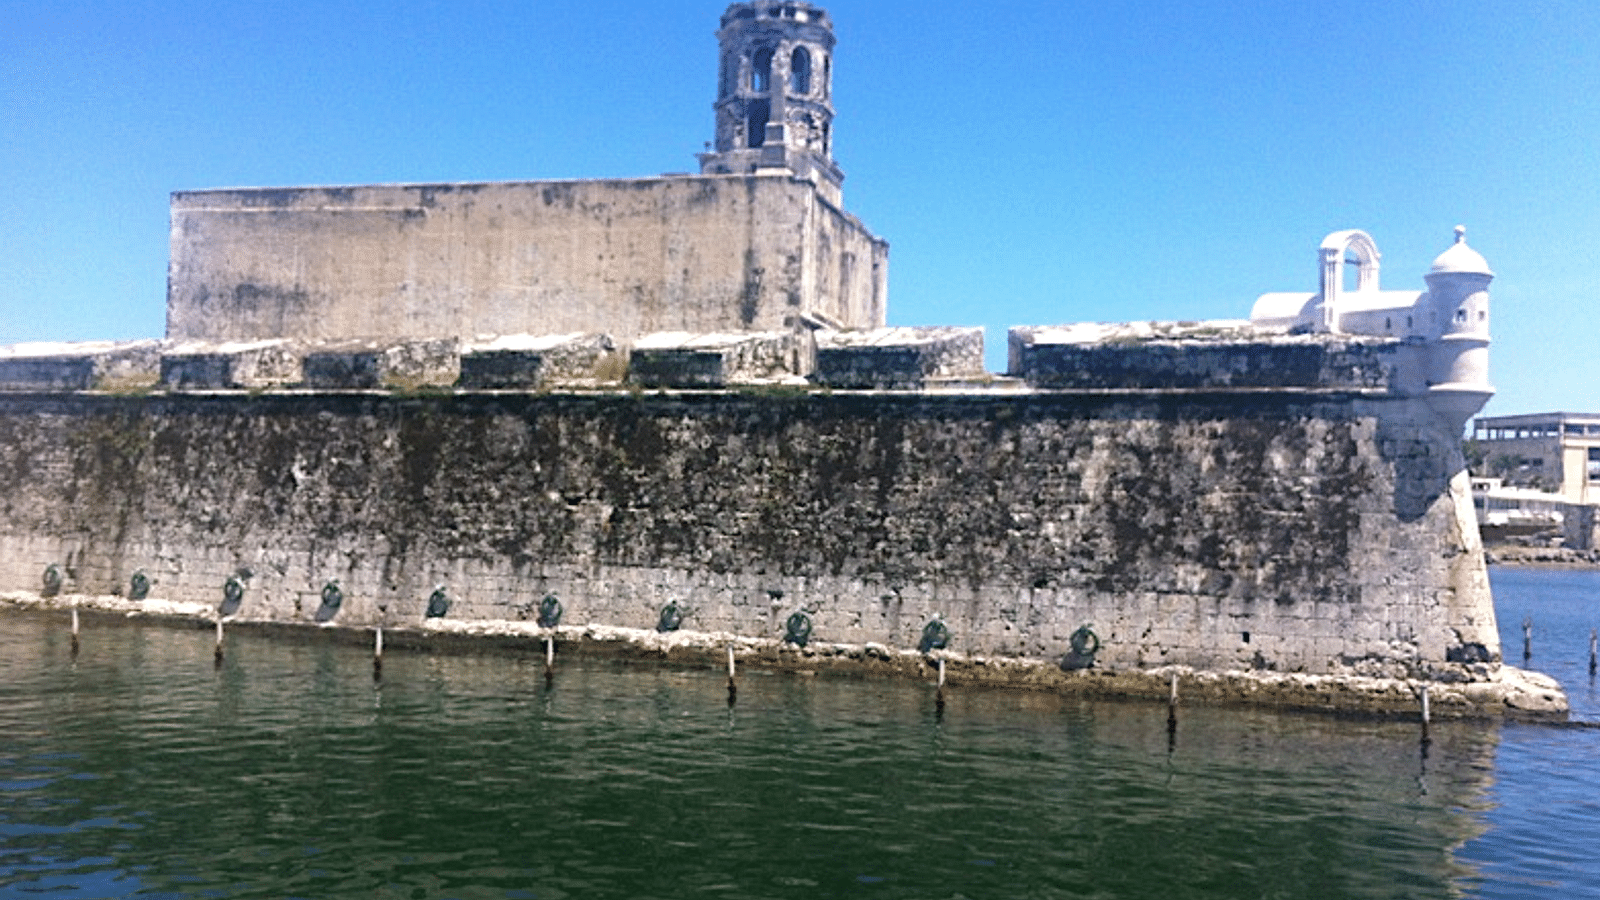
<point>758,242</point>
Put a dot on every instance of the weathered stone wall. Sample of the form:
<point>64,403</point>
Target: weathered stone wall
<point>623,257</point>
<point>1296,531</point>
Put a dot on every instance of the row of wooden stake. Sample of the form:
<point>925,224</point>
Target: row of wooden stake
<point>733,690</point>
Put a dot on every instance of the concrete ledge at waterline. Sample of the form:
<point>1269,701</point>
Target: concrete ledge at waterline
<point>1505,692</point>
<point>148,608</point>
<point>80,366</point>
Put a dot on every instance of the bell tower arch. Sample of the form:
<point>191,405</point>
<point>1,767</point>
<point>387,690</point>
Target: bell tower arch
<point>774,106</point>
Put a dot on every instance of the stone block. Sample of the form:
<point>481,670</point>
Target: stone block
<point>257,364</point>
<point>406,365</point>
<point>528,362</point>
<point>897,358</point>
<point>79,366</point>
<point>676,359</point>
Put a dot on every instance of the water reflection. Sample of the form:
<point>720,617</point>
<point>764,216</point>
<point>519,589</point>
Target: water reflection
<point>1543,812</point>
<point>288,771</point>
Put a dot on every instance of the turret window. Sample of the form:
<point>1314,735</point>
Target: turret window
<point>761,70</point>
<point>800,71</point>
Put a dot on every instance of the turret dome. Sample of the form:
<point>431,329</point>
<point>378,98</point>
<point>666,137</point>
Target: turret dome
<point>1460,259</point>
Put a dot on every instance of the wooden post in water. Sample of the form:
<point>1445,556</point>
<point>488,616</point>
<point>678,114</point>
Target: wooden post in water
<point>938,697</point>
<point>377,654</point>
<point>1426,714</point>
<point>549,659</point>
<point>733,690</point>
<point>1172,714</point>
<point>216,654</point>
<point>1527,638</point>
<point>1592,660</point>
<point>74,627</point>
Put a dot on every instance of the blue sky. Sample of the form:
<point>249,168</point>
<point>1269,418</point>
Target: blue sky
<point>1029,162</point>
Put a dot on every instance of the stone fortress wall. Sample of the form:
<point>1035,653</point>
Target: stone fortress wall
<point>1318,527</point>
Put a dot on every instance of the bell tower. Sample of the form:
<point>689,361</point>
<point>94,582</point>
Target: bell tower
<point>775,94</point>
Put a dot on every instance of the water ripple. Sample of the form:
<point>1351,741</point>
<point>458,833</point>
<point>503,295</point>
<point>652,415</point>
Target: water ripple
<point>288,772</point>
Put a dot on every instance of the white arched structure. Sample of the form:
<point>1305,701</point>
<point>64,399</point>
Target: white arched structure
<point>1367,309</point>
<point>1332,252</point>
<point>1445,329</point>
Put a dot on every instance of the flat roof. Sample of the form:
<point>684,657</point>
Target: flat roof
<point>1536,419</point>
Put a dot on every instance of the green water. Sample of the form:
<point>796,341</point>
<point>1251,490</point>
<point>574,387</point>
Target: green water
<point>136,768</point>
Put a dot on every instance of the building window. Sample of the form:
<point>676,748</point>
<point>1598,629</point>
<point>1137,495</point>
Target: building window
<point>800,71</point>
<point>1594,463</point>
<point>761,71</point>
<point>755,123</point>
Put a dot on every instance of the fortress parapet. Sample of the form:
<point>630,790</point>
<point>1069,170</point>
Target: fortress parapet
<point>249,365</point>
<point>1189,356</point>
<point>680,360</point>
<point>79,365</point>
<point>898,358</point>
<point>530,362</point>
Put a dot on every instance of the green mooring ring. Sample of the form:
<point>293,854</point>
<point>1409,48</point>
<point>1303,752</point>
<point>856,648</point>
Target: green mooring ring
<point>549,611</point>
<point>671,618</point>
<point>797,629</point>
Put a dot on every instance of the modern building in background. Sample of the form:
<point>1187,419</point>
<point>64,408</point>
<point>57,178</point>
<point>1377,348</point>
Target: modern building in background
<point>1538,470</point>
<point>1558,453</point>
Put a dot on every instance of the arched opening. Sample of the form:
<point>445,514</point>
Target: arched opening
<point>761,70</point>
<point>755,122</point>
<point>1340,252</point>
<point>1351,281</point>
<point>800,71</point>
